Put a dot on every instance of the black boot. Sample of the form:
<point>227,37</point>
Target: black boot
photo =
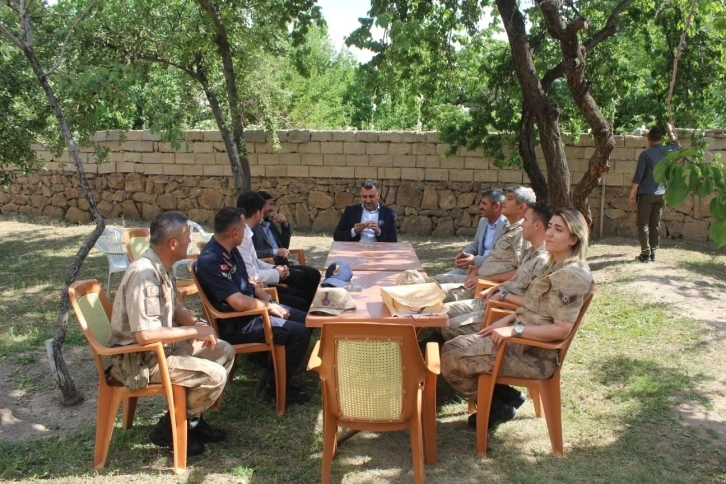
<point>500,413</point>
<point>509,395</point>
<point>202,431</point>
<point>161,435</point>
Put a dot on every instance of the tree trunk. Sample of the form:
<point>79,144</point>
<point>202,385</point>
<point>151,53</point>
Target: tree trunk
<point>545,110</point>
<point>529,155</point>
<point>240,162</point>
<point>573,63</point>
<point>229,142</point>
<point>70,393</point>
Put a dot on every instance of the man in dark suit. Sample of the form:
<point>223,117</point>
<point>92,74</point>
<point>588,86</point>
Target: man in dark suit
<point>269,241</point>
<point>371,221</point>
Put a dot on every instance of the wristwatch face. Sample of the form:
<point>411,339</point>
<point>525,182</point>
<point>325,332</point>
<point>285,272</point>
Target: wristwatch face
<point>518,330</point>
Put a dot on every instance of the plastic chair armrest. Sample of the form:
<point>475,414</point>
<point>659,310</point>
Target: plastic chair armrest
<point>314,362</point>
<point>237,314</point>
<point>133,348</point>
<point>511,307</point>
<point>433,361</point>
<point>484,284</point>
<point>300,253</point>
<point>548,345</point>
<point>272,291</point>
<point>269,260</point>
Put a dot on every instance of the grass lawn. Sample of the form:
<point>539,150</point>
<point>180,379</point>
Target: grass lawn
<point>637,382</point>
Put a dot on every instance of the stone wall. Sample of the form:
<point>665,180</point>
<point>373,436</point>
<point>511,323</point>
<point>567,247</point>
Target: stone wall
<point>315,174</point>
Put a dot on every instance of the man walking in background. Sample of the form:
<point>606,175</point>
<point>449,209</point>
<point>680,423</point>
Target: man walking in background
<point>648,194</point>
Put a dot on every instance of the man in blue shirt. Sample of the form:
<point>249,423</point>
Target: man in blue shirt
<point>223,277</point>
<point>649,194</point>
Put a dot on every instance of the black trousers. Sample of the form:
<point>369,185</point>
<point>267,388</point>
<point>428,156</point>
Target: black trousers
<point>290,332</point>
<point>305,279</point>
<point>293,298</point>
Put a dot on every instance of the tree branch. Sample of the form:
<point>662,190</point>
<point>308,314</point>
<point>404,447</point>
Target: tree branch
<point>4,30</point>
<point>611,26</point>
<point>57,64</point>
<point>676,58</point>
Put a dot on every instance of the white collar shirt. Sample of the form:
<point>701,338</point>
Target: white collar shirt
<point>367,235</point>
<point>257,270</point>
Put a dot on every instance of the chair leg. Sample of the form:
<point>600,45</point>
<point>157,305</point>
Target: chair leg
<point>129,410</point>
<point>483,408</point>
<point>417,449</point>
<point>330,438</point>
<point>108,286</point>
<point>178,408</point>
<point>534,395</point>
<point>280,378</point>
<point>108,401</point>
<point>553,413</point>
<point>428,419</point>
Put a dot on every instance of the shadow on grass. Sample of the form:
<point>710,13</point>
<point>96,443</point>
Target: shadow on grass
<point>712,268</point>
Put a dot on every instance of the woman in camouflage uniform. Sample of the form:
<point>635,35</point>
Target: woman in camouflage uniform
<point>551,306</point>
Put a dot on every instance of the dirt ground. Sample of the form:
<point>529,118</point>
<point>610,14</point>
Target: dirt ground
<point>34,410</point>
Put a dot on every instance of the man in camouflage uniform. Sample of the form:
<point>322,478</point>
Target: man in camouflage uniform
<point>502,262</point>
<point>465,317</point>
<point>145,311</point>
<point>552,302</point>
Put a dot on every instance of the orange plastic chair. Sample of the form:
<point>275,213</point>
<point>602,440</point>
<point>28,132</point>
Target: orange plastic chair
<point>374,378</point>
<point>136,241</point>
<point>545,394</point>
<point>300,253</point>
<point>277,352</point>
<point>93,311</point>
<point>482,283</point>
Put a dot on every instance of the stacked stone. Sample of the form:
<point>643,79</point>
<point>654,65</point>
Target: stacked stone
<point>315,174</point>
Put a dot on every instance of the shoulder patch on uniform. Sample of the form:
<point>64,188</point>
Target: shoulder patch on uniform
<point>567,299</point>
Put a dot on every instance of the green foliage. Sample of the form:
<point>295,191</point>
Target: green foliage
<point>688,170</point>
<point>447,55</point>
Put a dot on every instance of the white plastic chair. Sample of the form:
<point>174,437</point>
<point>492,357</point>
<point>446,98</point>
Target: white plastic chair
<point>111,243</point>
<point>193,227</point>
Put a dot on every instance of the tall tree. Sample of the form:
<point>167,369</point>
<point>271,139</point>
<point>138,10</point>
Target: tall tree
<point>550,44</point>
<point>16,26</point>
<point>215,44</point>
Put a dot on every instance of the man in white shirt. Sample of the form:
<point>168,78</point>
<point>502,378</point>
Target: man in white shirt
<point>259,271</point>
<point>370,221</point>
<point>491,226</point>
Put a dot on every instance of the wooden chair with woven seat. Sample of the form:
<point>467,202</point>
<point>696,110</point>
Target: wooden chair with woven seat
<point>277,352</point>
<point>545,394</point>
<point>136,241</point>
<point>93,311</point>
<point>374,378</point>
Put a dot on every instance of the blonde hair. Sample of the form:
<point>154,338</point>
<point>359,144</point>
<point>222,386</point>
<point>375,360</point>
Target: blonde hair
<point>577,225</point>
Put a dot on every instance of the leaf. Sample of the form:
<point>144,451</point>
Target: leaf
<point>717,231</point>
<point>660,171</point>
<point>676,194</point>
<point>705,188</point>
<point>718,177</point>
<point>717,208</point>
<point>677,189</point>
<point>383,20</point>
<point>695,178</point>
